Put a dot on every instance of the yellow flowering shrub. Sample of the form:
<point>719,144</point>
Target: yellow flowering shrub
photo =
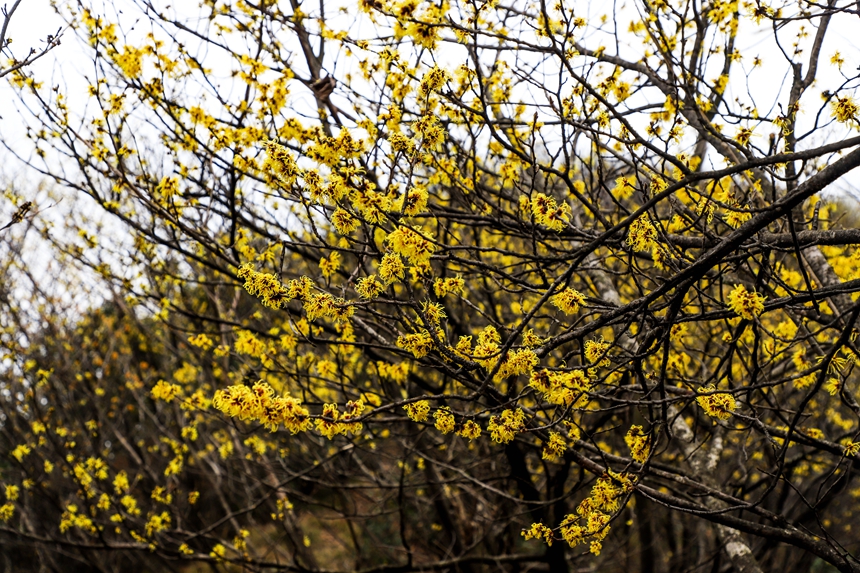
<point>392,284</point>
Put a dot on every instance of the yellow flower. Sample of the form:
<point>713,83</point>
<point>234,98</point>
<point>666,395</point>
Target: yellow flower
<point>837,59</point>
<point>518,362</point>
<point>20,452</point>
<point>329,266</point>
<point>157,523</point>
<point>411,245</point>
<point>369,287</point>
<point>470,430</point>
<point>419,344</point>
<point>844,109</point>
<point>12,492</point>
<point>833,386</point>
<point>735,219</point>
<point>414,201</point>
<point>281,163</point>
<point>642,236</point>
<point>746,304</point>
<point>595,351</point>
<point>265,286</point>
<point>261,404</point>
<point>547,212</point>
<point>639,444</point>
<point>568,301</point>
<point>218,552</point>
<point>434,312</point>
<point>504,428</point>
<point>6,512</point>
<point>717,404</point>
<point>554,447</point>
<point>538,531</point>
<point>432,81</point>
<point>417,411</point>
<point>446,286</point>
<point>444,420</point>
<point>743,136</point>
<point>392,269</point>
<point>624,187</point>
<point>343,222</point>
<point>165,391</point>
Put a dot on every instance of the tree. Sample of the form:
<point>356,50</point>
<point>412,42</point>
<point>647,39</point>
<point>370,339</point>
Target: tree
<point>14,63</point>
<point>451,286</point>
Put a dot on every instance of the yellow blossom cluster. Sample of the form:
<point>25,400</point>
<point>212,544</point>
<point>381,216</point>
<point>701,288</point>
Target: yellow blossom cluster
<point>264,286</point>
<point>434,79</point>
<point>330,265</point>
<point>539,531</point>
<point>419,343</point>
<point>517,362</point>
<point>433,312</point>
<point>469,430</point>
<point>624,187</point>
<point>546,212</point>
<point>844,109</point>
<point>259,403</point>
<point>20,452</point>
<point>445,422</point>
<point>639,443</point>
<point>562,388</point>
<point>450,285</point>
<point>530,339</point>
<point>343,221</point>
<point>430,130</point>
<point>157,523</point>
<point>369,287</point>
<point>657,185</point>
<point>165,391</point>
<point>324,305</point>
<point>413,202</point>
<point>201,341</point>
<point>394,372</point>
<point>642,236</point>
<point>487,349</point>
<point>735,218</point>
<point>411,245</point>
<point>746,304</point>
<point>596,351</point>
<point>402,143</point>
<point>332,150</point>
<point>247,343</point>
<point>590,523</point>
<point>554,447</point>
<point>833,386</point>
<point>333,422</point>
<point>72,518</point>
<point>417,411</point>
<point>130,61</point>
<point>505,427</point>
<point>568,301</point>
<point>716,404</point>
<point>391,268</point>
<point>281,164</point>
